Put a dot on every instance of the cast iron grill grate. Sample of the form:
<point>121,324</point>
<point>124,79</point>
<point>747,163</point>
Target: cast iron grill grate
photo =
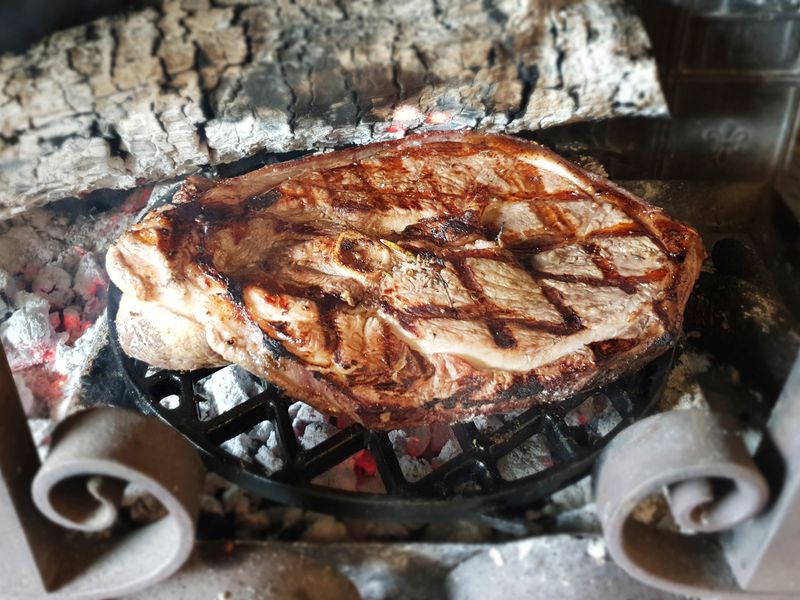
<point>468,485</point>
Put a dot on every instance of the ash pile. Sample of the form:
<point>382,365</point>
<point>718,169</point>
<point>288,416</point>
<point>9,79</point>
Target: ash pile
<point>53,293</point>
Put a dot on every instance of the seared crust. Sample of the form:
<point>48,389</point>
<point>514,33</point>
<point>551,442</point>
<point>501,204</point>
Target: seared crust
<point>425,279</point>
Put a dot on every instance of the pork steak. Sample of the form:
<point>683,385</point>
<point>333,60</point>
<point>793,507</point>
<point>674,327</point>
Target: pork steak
<point>431,278</point>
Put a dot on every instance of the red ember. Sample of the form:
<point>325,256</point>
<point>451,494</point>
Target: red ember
<point>365,464</point>
<point>415,447</point>
<point>137,200</point>
<point>405,113</point>
<point>438,118</point>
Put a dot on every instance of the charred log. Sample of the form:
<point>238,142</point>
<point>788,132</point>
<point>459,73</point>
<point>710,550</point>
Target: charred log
<point>158,93</point>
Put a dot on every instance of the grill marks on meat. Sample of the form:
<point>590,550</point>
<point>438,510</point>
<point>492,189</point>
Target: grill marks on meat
<point>426,279</point>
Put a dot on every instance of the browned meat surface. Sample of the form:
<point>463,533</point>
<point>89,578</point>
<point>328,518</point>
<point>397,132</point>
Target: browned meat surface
<point>426,279</point>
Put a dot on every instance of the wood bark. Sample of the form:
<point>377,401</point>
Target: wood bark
<point>158,93</point>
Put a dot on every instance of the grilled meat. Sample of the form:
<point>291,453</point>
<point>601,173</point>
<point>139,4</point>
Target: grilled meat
<point>426,279</point>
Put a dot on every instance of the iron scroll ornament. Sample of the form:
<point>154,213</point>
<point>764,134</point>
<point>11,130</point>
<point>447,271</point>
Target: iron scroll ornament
<point>713,486</point>
<point>94,454</point>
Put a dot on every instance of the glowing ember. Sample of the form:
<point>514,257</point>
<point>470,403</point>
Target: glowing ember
<point>406,113</point>
<point>365,464</point>
<point>72,319</point>
<point>415,447</point>
<point>417,441</point>
<point>438,118</point>
<point>137,200</point>
<point>45,384</point>
<point>53,288</point>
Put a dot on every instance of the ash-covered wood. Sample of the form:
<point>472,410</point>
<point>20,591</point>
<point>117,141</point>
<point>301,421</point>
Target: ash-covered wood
<point>158,93</point>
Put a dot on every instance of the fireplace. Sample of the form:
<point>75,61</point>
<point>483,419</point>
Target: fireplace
<point>101,123</point>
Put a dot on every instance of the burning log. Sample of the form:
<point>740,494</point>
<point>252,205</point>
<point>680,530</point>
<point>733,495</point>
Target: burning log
<point>158,93</point>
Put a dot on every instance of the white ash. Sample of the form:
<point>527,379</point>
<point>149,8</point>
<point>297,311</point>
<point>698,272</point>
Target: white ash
<point>88,276</point>
<point>315,433</point>
<point>72,360</point>
<point>578,520</point>
<point>410,442</point>
<point>264,432</point>
<point>42,430</point>
<point>488,423</point>
<point>605,420</point>
<point>142,506</point>
<point>414,469</point>
<point>53,291</point>
<point>240,446</point>
<point>300,412</point>
<point>28,335</point>
<point>259,445</point>
<point>682,390</point>
<point>171,402</point>
<point>269,455</point>
<point>450,450</point>
<point>54,284</point>
<point>596,549</point>
<point>597,414</point>
<point>25,395</point>
<point>398,438</point>
<point>528,458</point>
<point>419,450</point>
<point>225,389</point>
<point>228,387</point>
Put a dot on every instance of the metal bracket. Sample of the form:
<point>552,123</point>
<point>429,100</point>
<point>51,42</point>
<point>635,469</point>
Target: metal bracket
<point>95,454</point>
<point>712,485</point>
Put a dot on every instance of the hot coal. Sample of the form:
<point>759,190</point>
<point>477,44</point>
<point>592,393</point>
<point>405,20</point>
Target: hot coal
<point>420,450</point>
<point>53,291</point>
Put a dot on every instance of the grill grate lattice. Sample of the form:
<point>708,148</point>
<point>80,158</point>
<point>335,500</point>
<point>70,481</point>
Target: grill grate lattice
<point>467,485</point>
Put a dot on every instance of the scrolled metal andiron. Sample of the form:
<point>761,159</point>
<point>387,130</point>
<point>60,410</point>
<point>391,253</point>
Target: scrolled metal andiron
<point>713,486</point>
<point>95,453</point>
